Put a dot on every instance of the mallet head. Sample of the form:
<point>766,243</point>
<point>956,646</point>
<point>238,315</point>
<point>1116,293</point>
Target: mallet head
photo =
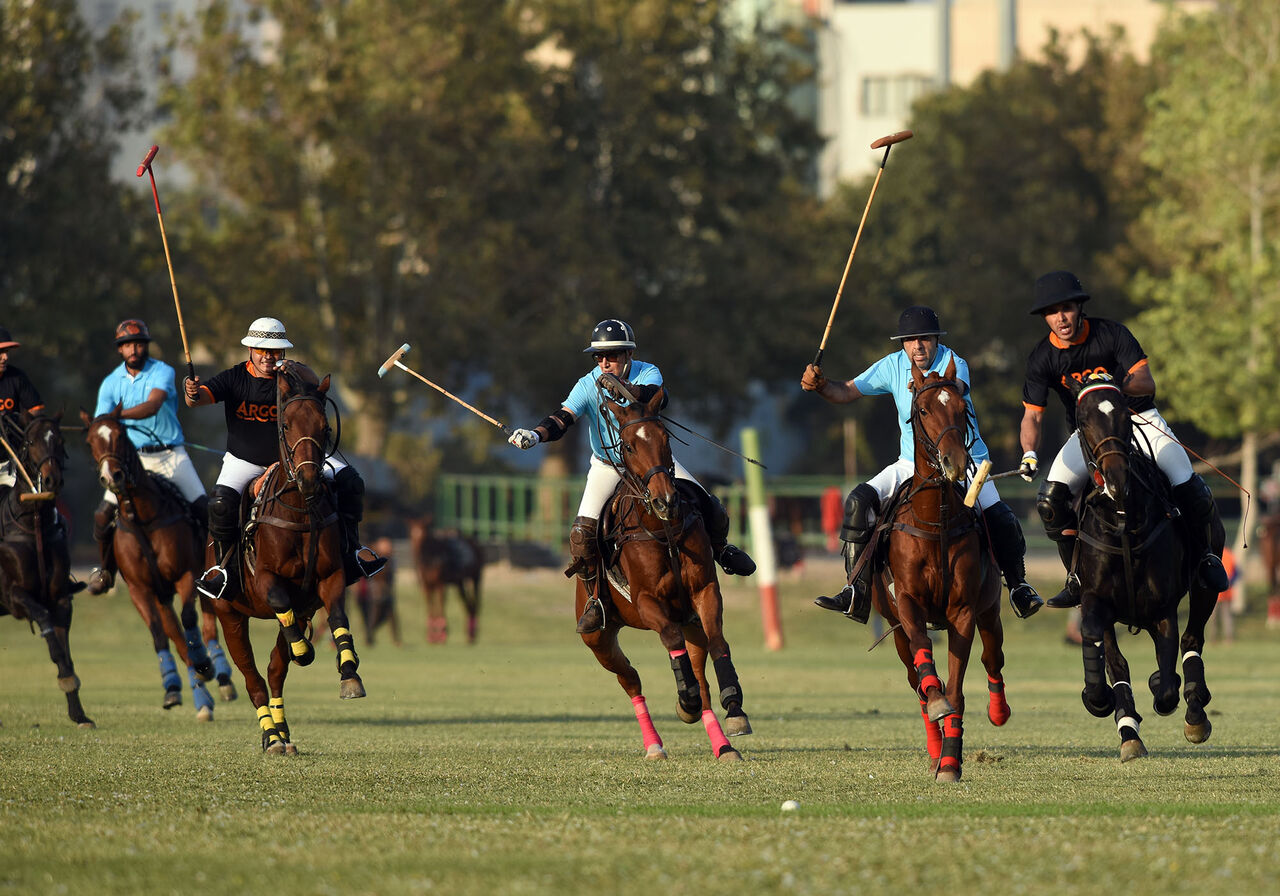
<point>146,162</point>
<point>892,139</point>
<point>391,362</point>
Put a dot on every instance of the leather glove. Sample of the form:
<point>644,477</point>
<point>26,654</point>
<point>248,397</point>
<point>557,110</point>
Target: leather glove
<point>525,438</point>
<point>813,380</point>
<point>1029,465</point>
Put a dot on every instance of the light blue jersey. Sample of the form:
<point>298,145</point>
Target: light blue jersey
<point>891,375</point>
<point>119,388</point>
<point>584,403</point>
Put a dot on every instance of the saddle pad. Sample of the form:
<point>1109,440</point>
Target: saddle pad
<point>256,486</point>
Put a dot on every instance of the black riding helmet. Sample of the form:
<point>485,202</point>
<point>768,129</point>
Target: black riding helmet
<point>1055,287</point>
<point>918,321</point>
<point>611,335</point>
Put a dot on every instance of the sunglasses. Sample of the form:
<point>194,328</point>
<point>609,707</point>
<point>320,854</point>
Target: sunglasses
<point>607,356</point>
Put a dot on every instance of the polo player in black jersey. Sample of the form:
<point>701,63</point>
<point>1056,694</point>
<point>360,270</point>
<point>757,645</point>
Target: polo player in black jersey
<point>1076,347</point>
<point>17,394</point>
<point>248,394</point>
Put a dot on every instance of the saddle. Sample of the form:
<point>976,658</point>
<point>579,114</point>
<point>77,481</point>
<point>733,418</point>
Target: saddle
<point>252,514</point>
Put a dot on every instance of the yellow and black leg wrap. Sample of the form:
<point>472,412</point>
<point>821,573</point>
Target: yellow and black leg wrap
<point>300,649</point>
<point>272,740</point>
<point>348,662</point>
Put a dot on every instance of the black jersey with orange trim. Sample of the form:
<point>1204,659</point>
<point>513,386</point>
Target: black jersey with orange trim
<point>1102,346</point>
<point>249,405</point>
<point>17,394</point>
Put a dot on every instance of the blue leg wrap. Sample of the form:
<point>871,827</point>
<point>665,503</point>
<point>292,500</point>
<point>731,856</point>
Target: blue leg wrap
<point>199,691</point>
<point>196,651</point>
<point>169,671</point>
<point>220,665</point>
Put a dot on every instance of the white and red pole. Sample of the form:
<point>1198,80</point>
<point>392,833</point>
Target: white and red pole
<point>762,543</point>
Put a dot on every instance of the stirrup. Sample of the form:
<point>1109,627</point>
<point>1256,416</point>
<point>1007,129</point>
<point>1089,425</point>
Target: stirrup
<point>1024,600</point>
<point>735,561</point>
<point>213,582</point>
<point>592,618</point>
<point>1068,597</point>
<point>369,568</point>
<point>841,601</point>
<point>100,581</point>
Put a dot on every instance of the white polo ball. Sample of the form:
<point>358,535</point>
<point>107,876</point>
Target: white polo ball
<point>790,805</point>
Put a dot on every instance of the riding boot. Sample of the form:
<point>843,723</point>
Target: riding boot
<point>854,600</point>
<point>103,578</point>
<point>199,514</point>
<point>224,532</point>
<point>585,552</point>
<point>1199,510</point>
<point>732,559</point>
<point>349,493</point>
<point>1010,550</point>
<point>1054,504</point>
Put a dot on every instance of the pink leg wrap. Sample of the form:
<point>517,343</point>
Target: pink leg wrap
<point>676,654</point>
<point>714,732</point>
<point>646,724</point>
<point>932,734</point>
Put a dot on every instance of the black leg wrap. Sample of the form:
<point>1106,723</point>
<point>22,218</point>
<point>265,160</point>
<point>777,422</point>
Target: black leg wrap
<point>1195,691</point>
<point>730,689</point>
<point>1097,697</point>
<point>690,695</point>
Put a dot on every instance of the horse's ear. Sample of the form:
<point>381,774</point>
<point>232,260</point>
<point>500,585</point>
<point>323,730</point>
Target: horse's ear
<point>324,385</point>
<point>917,378</point>
<point>656,402</point>
<point>84,417</point>
<point>117,410</point>
<point>951,368</point>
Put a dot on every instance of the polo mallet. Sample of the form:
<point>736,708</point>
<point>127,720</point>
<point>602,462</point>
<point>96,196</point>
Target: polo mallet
<point>980,479</point>
<point>394,361</point>
<point>887,143</point>
<point>182,329</point>
<point>34,495</point>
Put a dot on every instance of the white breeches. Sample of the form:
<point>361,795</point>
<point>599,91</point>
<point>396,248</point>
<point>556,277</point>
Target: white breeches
<point>887,481</point>
<point>601,481</point>
<point>1153,437</point>
<point>174,465</point>
<point>237,473</point>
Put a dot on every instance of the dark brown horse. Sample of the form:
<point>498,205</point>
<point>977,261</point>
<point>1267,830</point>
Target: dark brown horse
<point>159,547</point>
<point>1134,569</point>
<point>670,587</point>
<point>34,562</point>
<point>441,561</point>
<point>941,575</point>
<point>1269,545</point>
<point>290,558</point>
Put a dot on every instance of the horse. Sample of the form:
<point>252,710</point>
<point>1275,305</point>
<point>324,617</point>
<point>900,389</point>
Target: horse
<point>1269,542</point>
<point>441,561</point>
<point>941,575</point>
<point>664,580</point>
<point>1133,567</point>
<point>34,561</point>
<point>290,562</point>
<point>158,545</point>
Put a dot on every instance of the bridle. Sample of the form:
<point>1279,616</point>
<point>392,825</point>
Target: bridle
<point>293,468</point>
<point>1110,445</point>
<point>30,438</point>
<point>933,453</point>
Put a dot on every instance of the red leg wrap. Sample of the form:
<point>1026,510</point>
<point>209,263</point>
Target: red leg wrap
<point>998,710</point>
<point>932,734</point>
<point>926,671</point>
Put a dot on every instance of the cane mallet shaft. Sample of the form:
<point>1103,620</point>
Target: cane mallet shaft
<point>182,328</point>
<point>35,495</point>
<point>887,143</point>
<point>981,478</point>
<point>394,361</point>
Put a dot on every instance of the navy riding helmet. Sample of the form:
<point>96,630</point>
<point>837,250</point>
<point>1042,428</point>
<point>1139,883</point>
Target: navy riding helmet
<point>611,335</point>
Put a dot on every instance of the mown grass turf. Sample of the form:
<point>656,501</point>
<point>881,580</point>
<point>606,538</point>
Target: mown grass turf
<point>515,766</point>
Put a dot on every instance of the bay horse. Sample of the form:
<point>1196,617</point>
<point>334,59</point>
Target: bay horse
<point>1134,568</point>
<point>441,561</point>
<point>34,561</point>
<point>655,531</point>
<point>159,546</point>
<point>940,573</point>
<point>290,561</point>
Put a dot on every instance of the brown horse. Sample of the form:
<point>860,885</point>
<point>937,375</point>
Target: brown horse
<point>34,562</point>
<point>941,576</point>
<point>159,545</point>
<point>663,554</point>
<point>290,561</point>
<point>441,561</point>
<point>1269,542</point>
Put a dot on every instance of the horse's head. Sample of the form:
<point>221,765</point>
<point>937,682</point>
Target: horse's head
<point>113,454</point>
<point>940,422</point>
<point>1105,431</point>
<point>646,451</point>
<point>42,450</point>
<point>304,426</point>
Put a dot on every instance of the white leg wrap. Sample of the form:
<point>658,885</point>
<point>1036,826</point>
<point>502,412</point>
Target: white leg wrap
<point>1188,655</point>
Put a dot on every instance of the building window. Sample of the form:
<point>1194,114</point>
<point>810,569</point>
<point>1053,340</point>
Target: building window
<point>891,96</point>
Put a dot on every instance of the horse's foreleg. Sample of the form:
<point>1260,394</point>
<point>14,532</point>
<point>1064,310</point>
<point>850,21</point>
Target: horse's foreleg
<point>932,737</point>
<point>235,629</point>
<point>471,597</point>
<point>437,624</point>
<point>1195,691</point>
<point>277,597</point>
<point>1126,714</point>
<point>991,631</point>
<point>275,730</point>
<point>340,629</point>
<point>198,658</point>
<point>209,631</point>
<point>1165,681</point>
<point>604,646</point>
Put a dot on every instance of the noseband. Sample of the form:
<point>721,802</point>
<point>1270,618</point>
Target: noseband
<point>57,455</point>
<point>932,452</point>
<point>1095,454</point>
<point>657,468</point>
<point>292,467</point>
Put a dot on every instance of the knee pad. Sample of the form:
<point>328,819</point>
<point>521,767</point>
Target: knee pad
<point>860,508</point>
<point>224,513</point>
<point>1004,527</point>
<point>104,518</point>
<point>1053,503</point>
<point>582,537</point>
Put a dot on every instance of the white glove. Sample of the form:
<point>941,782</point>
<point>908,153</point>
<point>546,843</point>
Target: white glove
<point>1029,464</point>
<point>525,438</point>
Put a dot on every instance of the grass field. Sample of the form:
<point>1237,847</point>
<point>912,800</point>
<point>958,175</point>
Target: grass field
<point>515,766</point>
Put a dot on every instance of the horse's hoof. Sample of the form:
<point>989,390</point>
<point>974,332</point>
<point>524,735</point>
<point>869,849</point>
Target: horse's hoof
<point>688,717</point>
<point>302,653</point>
<point>737,725</point>
<point>290,749</point>
<point>172,698</point>
<point>204,714</point>
<point>351,688</point>
<point>938,707</point>
<point>204,672</point>
<point>87,723</point>
<point>655,751</point>
<point>947,775</point>
<point>1132,749</point>
<point>729,754</point>
<point>1105,705</point>
<point>1198,734</point>
<point>228,691</point>
<point>275,748</point>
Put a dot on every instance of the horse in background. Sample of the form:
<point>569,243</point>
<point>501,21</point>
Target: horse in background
<point>1134,568</point>
<point>34,561</point>
<point>159,546</point>
<point>1269,545</point>
<point>664,581</point>
<point>441,561</point>
<point>290,560</point>
<point>941,575</point>
<point>376,597</point>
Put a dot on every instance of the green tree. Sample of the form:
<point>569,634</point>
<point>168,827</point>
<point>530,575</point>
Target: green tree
<point>1211,295</point>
